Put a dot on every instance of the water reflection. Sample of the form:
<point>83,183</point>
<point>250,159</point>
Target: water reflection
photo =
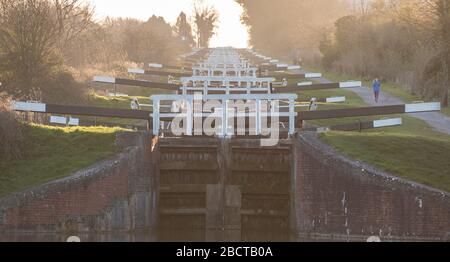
<point>156,236</point>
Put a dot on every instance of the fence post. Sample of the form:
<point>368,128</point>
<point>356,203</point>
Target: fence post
<point>291,116</point>
<point>258,117</point>
<point>189,116</point>
<point>224,117</point>
<point>156,106</point>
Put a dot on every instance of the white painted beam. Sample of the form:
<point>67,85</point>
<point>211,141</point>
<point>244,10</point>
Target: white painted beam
<point>350,84</point>
<point>282,66</point>
<point>104,79</point>
<point>387,122</point>
<point>63,120</point>
<point>28,107</point>
<point>339,99</point>
<point>154,65</point>
<point>305,84</point>
<point>74,121</point>
<point>422,107</point>
<point>313,75</point>
<point>58,120</point>
<point>294,67</point>
<point>136,71</point>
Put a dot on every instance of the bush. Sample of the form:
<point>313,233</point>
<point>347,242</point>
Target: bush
<point>10,133</point>
<point>62,88</point>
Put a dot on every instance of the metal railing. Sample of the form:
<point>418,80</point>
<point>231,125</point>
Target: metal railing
<point>257,107</point>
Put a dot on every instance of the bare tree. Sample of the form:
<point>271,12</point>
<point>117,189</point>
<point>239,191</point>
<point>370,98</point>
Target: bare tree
<point>206,18</point>
<point>31,34</point>
<point>361,6</point>
<point>437,16</point>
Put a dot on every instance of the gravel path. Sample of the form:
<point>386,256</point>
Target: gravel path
<point>437,120</point>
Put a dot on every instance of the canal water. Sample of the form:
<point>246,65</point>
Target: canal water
<point>157,236</point>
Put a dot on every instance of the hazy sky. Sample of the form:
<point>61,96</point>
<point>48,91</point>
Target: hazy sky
<point>230,32</point>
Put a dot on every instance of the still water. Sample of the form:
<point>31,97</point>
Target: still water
<point>157,236</point>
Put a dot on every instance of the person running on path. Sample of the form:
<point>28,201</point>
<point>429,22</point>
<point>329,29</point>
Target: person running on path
<point>376,89</point>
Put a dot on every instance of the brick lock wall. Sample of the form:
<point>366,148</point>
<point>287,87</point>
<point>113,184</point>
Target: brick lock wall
<point>335,195</point>
<point>116,194</point>
<point>85,199</point>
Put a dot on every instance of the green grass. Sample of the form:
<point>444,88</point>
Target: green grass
<point>421,158</point>
<point>352,99</point>
<point>122,102</point>
<point>51,153</point>
<point>413,150</point>
<point>446,111</point>
<point>116,102</point>
<point>142,94</point>
<point>143,91</point>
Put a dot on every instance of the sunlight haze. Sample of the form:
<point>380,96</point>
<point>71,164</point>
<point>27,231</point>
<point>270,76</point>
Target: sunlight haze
<point>229,33</point>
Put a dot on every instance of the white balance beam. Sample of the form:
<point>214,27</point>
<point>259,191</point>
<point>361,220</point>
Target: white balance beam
<point>136,71</point>
<point>104,79</point>
<point>28,107</point>
<point>339,99</point>
<point>294,67</point>
<point>422,107</point>
<point>154,65</point>
<point>387,122</point>
<point>313,75</point>
<point>63,121</point>
<point>350,84</point>
<point>305,84</point>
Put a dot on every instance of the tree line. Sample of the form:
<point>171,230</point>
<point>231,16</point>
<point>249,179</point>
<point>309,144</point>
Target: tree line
<point>402,41</point>
<point>45,43</point>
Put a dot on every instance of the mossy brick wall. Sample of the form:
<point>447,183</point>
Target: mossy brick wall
<point>335,195</point>
<point>116,194</point>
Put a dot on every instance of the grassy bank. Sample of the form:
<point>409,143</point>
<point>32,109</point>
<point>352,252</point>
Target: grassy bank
<point>413,151</point>
<point>122,102</point>
<point>51,153</point>
<point>421,158</point>
<point>446,111</point>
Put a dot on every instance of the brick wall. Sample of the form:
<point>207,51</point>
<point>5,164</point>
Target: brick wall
<point>116,194</point>
<point>337,196</point>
